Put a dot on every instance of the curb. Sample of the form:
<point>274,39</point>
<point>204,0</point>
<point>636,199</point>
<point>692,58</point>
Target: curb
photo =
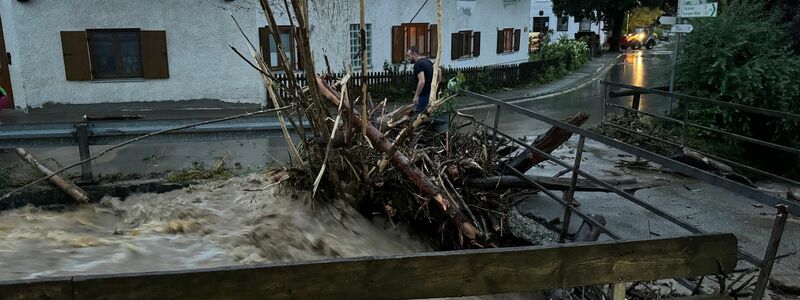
<point>599,72</point>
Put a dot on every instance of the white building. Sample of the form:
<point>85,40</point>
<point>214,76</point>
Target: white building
<point>543,19</point>
<point>111,51</point>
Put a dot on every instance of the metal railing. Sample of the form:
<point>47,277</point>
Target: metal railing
<point>89,133</point>
<point>568,204</point>
<point>685,123</point>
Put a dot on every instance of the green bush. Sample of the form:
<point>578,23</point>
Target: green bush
<point>743,56</point>
<point>578,50</point>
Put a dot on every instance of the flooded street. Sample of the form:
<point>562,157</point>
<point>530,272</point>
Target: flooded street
<point>643,68</point>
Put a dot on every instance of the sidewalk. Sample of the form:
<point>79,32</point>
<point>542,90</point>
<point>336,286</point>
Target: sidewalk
<point>595,68</point>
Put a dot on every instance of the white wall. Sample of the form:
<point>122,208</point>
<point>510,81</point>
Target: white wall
<point>201,65</point>
<point>546,6</point>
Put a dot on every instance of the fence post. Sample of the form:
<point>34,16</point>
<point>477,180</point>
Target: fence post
<point>569,196</point>
<point>494,132</point>
<point>82,134</point>
<point>605,105</point>
<point>635,103</point>
<point>772,250</point>
<point>684,132</point>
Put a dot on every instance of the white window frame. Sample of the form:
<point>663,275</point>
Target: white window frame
<point>355,45</point>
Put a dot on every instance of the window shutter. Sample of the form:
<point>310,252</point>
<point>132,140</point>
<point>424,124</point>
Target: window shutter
<point>75,49</point>
<point>434,40</point>
<point>500,41</point>
<point>455,46</point>
<point>517,35</point>
<point>476,44</point>
<point>155,64</point>
<point>263,40</point>
<point>397,44</point>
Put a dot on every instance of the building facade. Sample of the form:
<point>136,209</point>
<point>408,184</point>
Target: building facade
<point>544,20</point>
<point>113,51</point>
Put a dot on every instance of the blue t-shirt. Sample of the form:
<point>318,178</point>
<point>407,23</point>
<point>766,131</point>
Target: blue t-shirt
<point>424,65</point>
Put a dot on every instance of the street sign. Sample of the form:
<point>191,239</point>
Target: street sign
<point>665,20</point>
<point>682,28</point>
<point>698,10</point>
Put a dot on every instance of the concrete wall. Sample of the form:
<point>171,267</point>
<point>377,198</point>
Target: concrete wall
<point>198,32</point>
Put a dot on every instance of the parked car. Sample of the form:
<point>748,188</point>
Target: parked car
<point>638,38</point>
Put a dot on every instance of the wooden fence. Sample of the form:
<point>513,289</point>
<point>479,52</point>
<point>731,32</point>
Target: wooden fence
<point>391,84</point>
<point>426,275</point>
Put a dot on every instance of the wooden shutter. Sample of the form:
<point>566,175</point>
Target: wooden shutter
<point>500,41</point>
<point>263,40</point>
<point>517,36</point>
<point>434,40</point>
<point>75,48</point>
<point>455,46</point>
<point>398,39</point>
<point>155,64</point>
<point>476,44</point>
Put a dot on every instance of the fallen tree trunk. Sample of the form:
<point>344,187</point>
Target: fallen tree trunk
<point>68,187</point>
<point>548,142</point>
<point>704,163</point>
<point>404,165</point>
<point>561,184</point>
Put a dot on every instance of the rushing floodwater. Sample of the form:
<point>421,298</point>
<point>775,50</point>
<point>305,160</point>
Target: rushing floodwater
<point>213,224</point>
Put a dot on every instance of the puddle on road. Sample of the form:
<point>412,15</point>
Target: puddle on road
<point>208,225</point>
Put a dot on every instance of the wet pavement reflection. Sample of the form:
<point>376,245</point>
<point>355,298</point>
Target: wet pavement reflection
<point>649,68</point>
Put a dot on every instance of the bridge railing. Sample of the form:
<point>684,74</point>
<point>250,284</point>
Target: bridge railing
<point>627,90</point>
<point>783,206</point>
<point>425,275</point>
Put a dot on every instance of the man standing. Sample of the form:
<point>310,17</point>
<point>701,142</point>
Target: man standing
<point>423,73</point>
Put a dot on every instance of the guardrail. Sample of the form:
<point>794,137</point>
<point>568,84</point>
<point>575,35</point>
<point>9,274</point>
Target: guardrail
<point>425,275</point>
<point>782,205</point>
<point>85,134</point>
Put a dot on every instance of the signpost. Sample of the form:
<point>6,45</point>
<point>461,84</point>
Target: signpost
<point>698,10</point>
<point>682,28</point>
<point>666,20</point>
<point>686,9</point>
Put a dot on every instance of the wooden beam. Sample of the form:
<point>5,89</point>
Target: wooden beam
<point>438,274</point>
<point>42,289</point>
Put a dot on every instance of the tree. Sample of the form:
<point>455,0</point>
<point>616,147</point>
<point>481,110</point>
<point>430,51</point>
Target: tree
<point>596,10</point>
<point>791,14</point>
<point>643,16</point>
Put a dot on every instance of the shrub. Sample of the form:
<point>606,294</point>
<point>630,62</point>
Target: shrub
<point>743,56</point>
<point>578,50</point>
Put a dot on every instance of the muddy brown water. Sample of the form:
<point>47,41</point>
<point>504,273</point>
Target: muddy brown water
<point>205,225</point>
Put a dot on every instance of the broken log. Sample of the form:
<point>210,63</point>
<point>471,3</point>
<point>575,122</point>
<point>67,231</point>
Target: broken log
<point>68,187</point>
<point>561,184</point>
<point>548,142</point>
<point>697,160</point>
<point>404,165</point>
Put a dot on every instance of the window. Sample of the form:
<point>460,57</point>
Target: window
<point>465,44</point>
<point>541,24</point>
<point>508,40</point>
<point>412,34</point>
<point>115,53</point>
<point>563,24</point>
<point>586,25</point>
<point>355,45</point>
<point>270,49</point>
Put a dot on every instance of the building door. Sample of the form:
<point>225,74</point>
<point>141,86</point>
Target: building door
<point>5,75</point>
<point>541,24</point>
